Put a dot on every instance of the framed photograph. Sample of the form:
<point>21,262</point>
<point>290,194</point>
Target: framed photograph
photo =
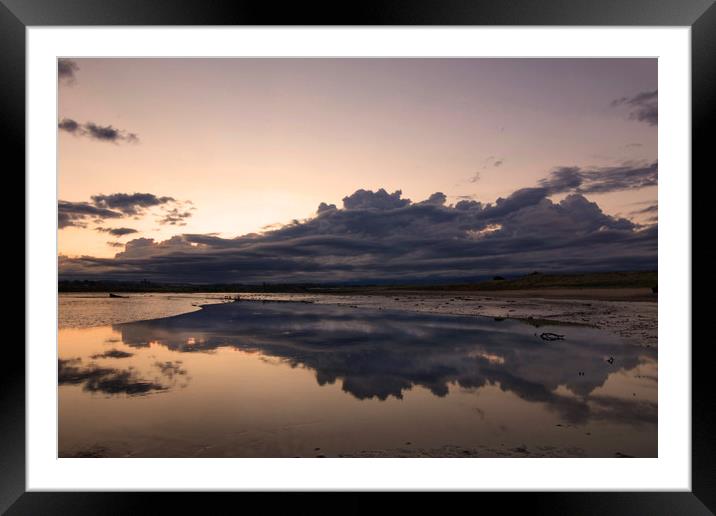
<point>427,248</point>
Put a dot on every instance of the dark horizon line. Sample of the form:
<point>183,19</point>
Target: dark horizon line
<point>603,279</point>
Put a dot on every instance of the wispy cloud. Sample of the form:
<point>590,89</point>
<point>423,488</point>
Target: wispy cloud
<point>76,213</point>
<point>643,106</point>
<point>175,217</point>
<point>652,208</point>
<point>66,69</point>
<point>118,232</point>
<point>489,163</point>
<point>649,214</point>
<point>601,179</point>
<point>116,206</point>
<point>130,204</point>
<point>95,131</point>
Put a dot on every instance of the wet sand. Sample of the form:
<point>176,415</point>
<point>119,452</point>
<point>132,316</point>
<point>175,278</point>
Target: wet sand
<point>629,313</point>
<point>454,452</point>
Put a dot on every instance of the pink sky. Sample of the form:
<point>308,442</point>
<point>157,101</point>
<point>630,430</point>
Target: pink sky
<point>256,142</point>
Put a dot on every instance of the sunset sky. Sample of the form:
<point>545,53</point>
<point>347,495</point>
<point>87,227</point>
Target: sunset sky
<point>223,164</point>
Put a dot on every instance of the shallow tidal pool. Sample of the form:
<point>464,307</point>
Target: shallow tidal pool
<point>291,379</point>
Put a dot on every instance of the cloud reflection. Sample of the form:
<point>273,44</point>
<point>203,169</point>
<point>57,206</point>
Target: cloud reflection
<point>379,354</point>
<point>106,380</point>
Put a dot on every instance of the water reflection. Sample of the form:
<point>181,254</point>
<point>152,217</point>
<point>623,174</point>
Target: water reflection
<point>105,380</point>
<point>113,353</point>
<point>383,354</point>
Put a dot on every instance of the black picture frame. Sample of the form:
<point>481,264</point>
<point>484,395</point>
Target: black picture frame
<point>17,15</point>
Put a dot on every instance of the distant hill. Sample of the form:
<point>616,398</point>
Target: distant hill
<point>150,286</point>
<point>536,280</point>
<point>533,281</point>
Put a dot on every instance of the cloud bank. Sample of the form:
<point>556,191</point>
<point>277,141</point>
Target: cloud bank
<point>378,236</point>
<point>385,355</point>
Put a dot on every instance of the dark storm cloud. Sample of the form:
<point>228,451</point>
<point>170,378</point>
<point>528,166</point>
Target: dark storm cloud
<point>323,207</point>
<point>643,106</point>
<point>614,179</point>
<point>519,199</point>
<point>436,199</point>
<point>380,200</point>
<point>601,180</point>
<point>66,69</point>
<point>381,237</point>
<point>118,232</point>
<point>76,213</point>
<point>130,204</point>
<point>563,179</point>
<point>95,131</point>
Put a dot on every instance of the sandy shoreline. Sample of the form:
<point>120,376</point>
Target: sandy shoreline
<point>630,313</point>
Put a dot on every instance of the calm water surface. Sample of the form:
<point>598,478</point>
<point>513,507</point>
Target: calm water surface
<point>87,309</point>
<point>253,379</point>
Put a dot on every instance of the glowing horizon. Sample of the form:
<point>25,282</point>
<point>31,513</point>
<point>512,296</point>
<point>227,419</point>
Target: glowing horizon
<point>234,147</point>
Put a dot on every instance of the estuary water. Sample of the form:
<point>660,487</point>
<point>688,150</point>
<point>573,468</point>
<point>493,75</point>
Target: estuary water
<point>295,379</point>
